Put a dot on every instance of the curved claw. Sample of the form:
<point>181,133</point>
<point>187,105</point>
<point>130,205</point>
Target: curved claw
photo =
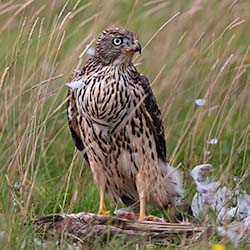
<point>103,212</point>
<point>102,208</point>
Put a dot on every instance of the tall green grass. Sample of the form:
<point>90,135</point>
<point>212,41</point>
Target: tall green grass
<point>192,49</point>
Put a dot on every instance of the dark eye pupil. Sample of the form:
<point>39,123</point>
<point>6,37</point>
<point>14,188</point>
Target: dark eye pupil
<point>117,41</point>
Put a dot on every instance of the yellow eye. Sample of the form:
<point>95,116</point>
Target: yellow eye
<point>117,41</point>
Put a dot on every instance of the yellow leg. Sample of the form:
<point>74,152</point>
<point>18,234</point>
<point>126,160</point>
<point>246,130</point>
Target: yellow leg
<point>102,208</point>
<point>142,209</point>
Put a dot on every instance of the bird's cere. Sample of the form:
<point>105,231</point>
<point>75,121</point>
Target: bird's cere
<point>75,84</point>
<point>200,102</point>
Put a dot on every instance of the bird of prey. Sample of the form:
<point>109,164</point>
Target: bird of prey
<point>117,125</point>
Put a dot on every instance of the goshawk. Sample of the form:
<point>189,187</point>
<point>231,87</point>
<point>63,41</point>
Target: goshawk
<point>117,125</point>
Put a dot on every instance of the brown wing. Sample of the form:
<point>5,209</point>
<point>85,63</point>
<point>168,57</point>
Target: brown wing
<point>156,121</point>
<point>74,122</point>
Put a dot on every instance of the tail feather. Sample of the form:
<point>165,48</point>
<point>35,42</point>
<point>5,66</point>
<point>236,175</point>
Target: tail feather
<point>173,183</point>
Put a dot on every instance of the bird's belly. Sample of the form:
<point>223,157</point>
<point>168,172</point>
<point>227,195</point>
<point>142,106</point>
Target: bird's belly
<point>117,159</point>
<point>118,171</point>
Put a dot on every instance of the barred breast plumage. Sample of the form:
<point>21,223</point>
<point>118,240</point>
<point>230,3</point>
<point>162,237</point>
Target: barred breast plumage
<point>115,121</point>
<point>108,95</point>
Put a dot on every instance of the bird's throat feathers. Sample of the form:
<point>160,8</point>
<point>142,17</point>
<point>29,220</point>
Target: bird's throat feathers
<point>122,60</point>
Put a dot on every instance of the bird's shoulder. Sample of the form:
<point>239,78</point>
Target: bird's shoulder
<point>74,119</point>
<point>73,115</point>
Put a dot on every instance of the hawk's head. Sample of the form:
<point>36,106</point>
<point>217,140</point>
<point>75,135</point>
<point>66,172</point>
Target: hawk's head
<point>116,46</point>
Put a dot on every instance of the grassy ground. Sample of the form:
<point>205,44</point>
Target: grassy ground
<point>203,52</point>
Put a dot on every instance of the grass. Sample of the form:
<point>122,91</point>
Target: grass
<point>202,52</point>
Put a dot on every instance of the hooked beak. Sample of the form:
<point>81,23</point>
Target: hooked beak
<point>136,46</point>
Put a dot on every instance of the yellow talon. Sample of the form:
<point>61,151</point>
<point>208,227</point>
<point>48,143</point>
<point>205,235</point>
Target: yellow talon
<point>103,212</point>
<point>152,218</point>
<point>102,208</point>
